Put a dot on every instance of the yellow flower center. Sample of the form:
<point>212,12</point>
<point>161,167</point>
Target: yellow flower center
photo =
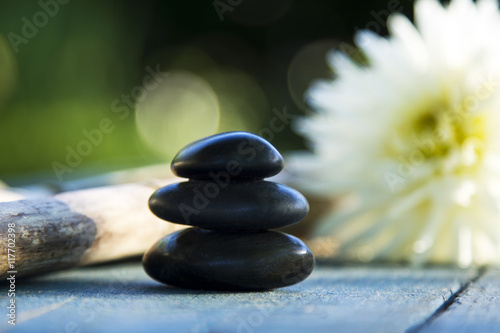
<point>450,137</point>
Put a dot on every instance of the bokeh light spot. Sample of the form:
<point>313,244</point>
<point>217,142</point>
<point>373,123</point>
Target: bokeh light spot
<point>308,64</point>
<point>183,108</point>
<point>242,102</point>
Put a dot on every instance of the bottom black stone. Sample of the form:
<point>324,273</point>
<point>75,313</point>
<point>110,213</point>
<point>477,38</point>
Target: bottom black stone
<point>198,258</point>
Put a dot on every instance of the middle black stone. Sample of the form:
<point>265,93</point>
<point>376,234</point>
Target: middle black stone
<point>249,205</point>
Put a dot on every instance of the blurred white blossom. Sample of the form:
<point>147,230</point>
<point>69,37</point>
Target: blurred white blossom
<point>413,136</point>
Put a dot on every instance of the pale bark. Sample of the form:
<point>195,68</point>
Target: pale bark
<point>79,227</point>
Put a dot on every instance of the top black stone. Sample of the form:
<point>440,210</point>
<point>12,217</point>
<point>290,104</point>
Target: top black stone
<point>241,155</point>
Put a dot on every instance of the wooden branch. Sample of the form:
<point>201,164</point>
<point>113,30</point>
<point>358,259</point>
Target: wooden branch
<point>78,227</point>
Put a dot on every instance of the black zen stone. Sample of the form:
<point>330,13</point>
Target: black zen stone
<point>221,260</point>
<point>253,205</point>
<point>240,155</point>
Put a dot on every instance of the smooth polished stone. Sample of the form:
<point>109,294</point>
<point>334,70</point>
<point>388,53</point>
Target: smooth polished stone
<point>198,258</point>
<point>254,205</point>
<point>239,155</point>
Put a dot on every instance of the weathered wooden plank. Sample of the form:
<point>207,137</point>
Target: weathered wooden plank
<point>476,310</point>
<point>121,298</point>
<point>76,228</point>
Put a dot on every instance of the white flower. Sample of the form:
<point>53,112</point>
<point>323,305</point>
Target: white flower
<point>414,135</point>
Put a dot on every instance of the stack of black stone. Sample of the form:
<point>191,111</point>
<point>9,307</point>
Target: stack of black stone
<point>231,208</point>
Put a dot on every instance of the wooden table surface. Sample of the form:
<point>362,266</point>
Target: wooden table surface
<point>373,298</point>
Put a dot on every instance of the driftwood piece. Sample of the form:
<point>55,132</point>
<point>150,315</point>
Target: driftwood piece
<point>77,228</point>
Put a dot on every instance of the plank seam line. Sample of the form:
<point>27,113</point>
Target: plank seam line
<point>447,303</point>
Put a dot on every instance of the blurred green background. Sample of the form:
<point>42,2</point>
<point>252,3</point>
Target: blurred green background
<point>65,66</point>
